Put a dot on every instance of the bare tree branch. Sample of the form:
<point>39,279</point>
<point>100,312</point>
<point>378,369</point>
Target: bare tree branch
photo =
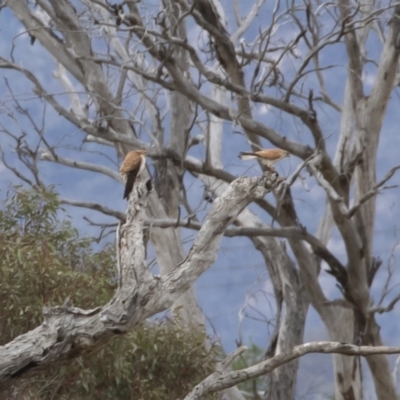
<point>372,192</point>
<point>388,308</point>
<point>94,206</point>
<point>68,331</point>
<point>48,156</point>
<point>221,379</point>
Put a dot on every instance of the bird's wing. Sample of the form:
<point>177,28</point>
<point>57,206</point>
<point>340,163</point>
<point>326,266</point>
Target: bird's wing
<point>270,154</point>
<point>131,167</point>
<point>131,162</point>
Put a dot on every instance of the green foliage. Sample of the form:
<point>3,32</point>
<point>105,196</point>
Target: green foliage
<point>161,361</point>
<point>43,261</point>
<point>252,356</point>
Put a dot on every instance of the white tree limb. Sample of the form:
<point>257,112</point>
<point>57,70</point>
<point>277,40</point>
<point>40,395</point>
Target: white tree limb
<point>94,206</point>
<point>221,379</point>
<point>48,156</point>
<point>372,192</point>
<point>68,331</point>
<point>245,23</point>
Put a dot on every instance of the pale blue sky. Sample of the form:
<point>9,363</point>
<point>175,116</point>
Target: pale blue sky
<point>239,270</point>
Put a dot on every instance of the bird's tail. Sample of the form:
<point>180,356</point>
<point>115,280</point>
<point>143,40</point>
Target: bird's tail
<point>130,181</point>
<point>247,156</point>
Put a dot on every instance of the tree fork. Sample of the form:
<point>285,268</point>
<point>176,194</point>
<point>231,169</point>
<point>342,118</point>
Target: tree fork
<point>69,331</point>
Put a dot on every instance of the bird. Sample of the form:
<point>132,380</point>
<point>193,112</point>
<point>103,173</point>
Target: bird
<point>268,157</point>
<point>131,168</point>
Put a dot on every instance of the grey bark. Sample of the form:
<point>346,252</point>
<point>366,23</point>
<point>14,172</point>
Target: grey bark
<point>291,299</point>
<point>221,378</point>
<point>360,132</point>
<point>75,57</point>
<point>169,179</point>
<point>68,331</point>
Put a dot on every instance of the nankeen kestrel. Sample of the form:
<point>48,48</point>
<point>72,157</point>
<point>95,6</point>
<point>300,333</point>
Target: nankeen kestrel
<point>131,168</point>
<point>268,157</point>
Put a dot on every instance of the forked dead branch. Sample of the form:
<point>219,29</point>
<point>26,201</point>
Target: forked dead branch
<point>182,76</point>
<point>69,331</point>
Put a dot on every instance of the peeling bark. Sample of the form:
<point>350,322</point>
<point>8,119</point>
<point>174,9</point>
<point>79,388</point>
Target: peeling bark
<point>167,59</point>
<point>68,331</point>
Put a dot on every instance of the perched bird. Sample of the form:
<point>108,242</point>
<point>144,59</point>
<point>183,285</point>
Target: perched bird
<point>131,168</point>
<point>267,157</point>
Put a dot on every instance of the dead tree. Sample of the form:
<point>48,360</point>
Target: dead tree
<point>152,67</point>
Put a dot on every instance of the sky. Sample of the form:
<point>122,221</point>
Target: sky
<point>238,276</point>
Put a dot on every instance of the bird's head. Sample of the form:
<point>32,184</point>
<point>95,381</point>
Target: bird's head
<point>142,152</point>
<point>285,154</point>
